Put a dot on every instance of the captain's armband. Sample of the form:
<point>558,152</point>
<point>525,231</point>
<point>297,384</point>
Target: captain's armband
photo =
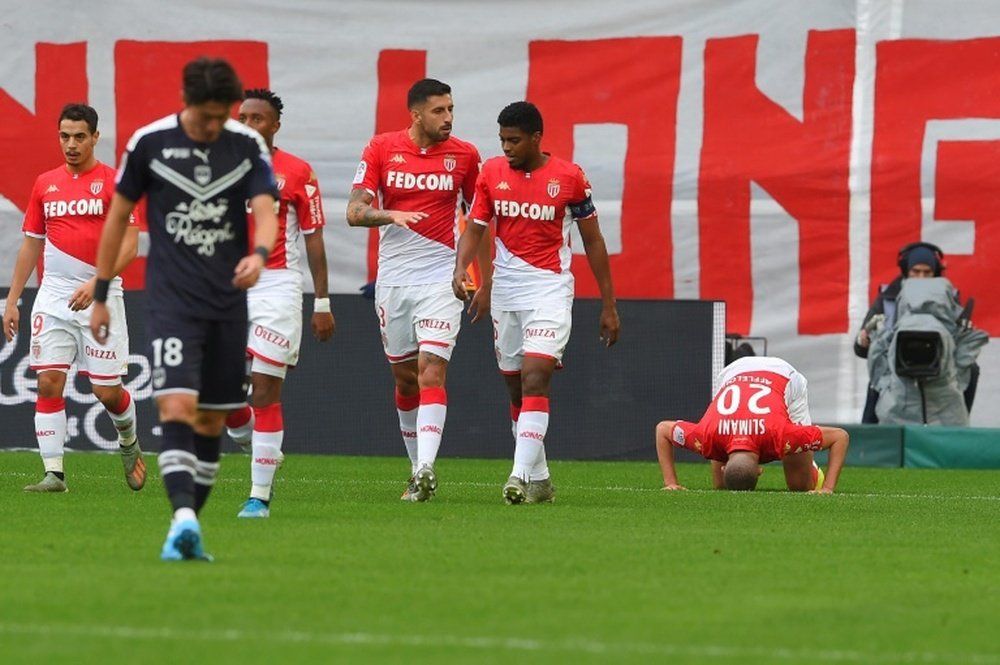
<point>583,209</point>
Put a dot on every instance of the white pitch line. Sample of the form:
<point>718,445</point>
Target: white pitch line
<point>585,488</point>
<point>494,643</point>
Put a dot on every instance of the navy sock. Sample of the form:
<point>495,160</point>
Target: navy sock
<point>177,464</point>
<point>207,449</point>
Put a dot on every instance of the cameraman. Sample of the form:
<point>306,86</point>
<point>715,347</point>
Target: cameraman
<point>919,260</point>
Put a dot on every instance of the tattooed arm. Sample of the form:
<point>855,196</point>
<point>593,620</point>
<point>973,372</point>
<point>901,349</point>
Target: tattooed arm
<point>361,213</point>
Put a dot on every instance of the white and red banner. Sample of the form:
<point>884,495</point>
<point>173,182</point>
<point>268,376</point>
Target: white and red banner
<point>774,154</point>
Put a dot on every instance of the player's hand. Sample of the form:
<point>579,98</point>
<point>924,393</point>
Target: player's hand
<point>458,281</point>
<point>479,304</point>
<point>83,296</point>
<point>11,320</point>
<point>610,325</point>
<point>248,271</point>
<point>674,487</point>
<point>100,319</point>
<point>405,219</point>
<point>323,325</point>
<point>822,490</point>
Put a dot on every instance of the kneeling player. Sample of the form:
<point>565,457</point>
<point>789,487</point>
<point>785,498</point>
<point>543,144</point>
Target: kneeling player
<point>759,414</point>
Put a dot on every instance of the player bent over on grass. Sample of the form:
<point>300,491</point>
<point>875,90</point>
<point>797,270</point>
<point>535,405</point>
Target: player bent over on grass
<point>534,197</point>
<point>275,304</point>
<point>65,215</point>
<point>759,414</point>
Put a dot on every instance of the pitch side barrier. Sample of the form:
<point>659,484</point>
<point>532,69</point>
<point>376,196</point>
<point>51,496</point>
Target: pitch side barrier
<point>339,400</point>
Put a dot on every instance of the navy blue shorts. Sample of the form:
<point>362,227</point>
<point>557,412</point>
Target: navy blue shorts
<point>198,356</point>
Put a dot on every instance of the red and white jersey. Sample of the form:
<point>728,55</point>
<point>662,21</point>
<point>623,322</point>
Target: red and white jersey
<point>68,211</point>
<point>532,264</point>
<point>760,406</point>
<point>402,176</point>
<point>300,212</point>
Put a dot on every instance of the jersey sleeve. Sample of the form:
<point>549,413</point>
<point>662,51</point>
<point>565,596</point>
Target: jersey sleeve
<point>581,206</point>
<point>800,438</point>
<point>471,176</point>
<point>686,435</point>
<point>482,202</point>
<point>797,399</point>
<point>34,220</point>
<point>369,172</point>
<point>133,173</point>
<point>309,203</point>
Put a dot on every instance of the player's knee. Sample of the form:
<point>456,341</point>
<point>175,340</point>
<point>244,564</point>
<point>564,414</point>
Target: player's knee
<point>51,384</point>
<point>266,390</point>
<point>109,396</point>
<point>177,408</point>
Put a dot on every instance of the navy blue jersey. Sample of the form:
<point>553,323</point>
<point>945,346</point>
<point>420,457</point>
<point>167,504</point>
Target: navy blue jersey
<point>196,212</point>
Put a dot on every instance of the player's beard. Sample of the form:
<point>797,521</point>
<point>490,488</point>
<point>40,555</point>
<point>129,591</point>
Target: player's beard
<point>439,134</point>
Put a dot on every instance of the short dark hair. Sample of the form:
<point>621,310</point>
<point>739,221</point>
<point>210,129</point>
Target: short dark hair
<point>424,88</point>
<point>77,111</point>
<point>211,80</point>
<point>741,473</point>
<point>267,96</point>
<point>522,115</point>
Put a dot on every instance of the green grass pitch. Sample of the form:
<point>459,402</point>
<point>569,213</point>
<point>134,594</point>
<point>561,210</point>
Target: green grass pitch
<point>900,566</point>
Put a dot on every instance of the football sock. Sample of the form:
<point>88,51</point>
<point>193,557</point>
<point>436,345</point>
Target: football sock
<point>50,431</point>
<point>123,416</point>
<point>430,424</point>
<point>265,458</point>
<point>531,427</point>
<point>182,514</point>
<point>177,464</point>
<point>406,408</point>
<point>206,467</point>
<point>515,413</point>
<point>541,469</point>
<point>239,425</point>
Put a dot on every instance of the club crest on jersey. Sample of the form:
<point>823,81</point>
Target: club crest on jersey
<point>398,159</point>
<point>503,185</point>
<point>96,187</point>
<point>450,163</point>
<point>553,188</point>
<point>280,179</point>
<point>202,174</point>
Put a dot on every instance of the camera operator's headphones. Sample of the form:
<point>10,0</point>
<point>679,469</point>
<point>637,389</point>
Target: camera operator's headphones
<point>904,253</point>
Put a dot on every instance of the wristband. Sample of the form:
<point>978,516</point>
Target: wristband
<point>321,306</point>
<point>101,290</point>
<point>262,252</point>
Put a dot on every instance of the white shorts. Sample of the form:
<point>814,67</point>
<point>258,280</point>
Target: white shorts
<point>542,332</point>
<point>275,333</point>
<point>422,317</point>
<point>60,337</point>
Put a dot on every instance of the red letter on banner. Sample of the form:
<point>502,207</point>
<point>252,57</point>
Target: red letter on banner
<point>397,71</point>
<point>949,84</point>
<point>148,76</point>
<point>635,82</point>
<point>31,141</point>
<point>148,86</point>
<point>803,165</point>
